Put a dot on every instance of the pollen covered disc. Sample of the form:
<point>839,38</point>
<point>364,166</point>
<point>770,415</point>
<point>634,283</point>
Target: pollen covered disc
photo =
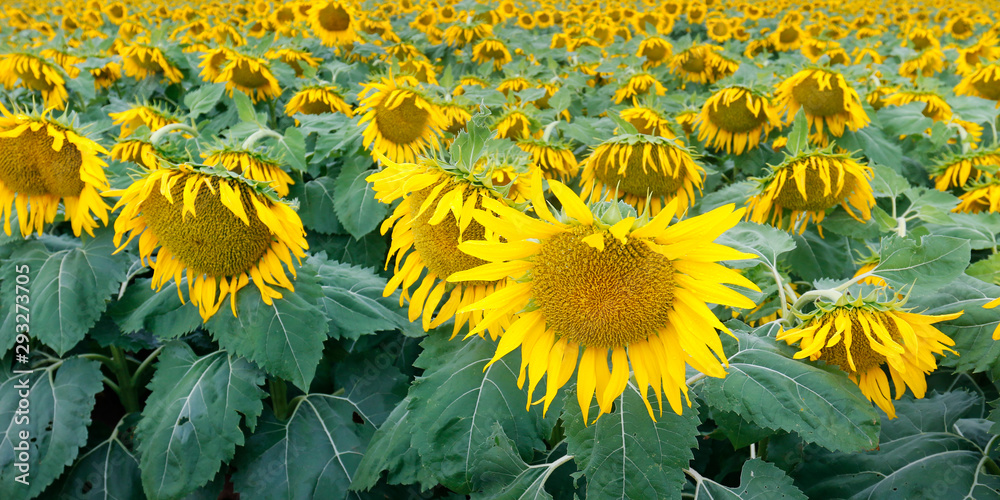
<point>735,117</point>
<point>864,357</point>
<point>404,123</point>
<point>333,17</point>
<point>605,299</point>
<point>30,166</point>
<point>438,244</point>
<point>816,196</point>
<point>640,178</point>
<point>828,101</point>
<point>215,241</point>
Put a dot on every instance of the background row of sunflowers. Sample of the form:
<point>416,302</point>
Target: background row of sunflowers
<point>692,197</point>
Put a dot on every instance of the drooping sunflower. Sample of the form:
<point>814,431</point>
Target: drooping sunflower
<point>984,83</point>
<point>318,99</point>
<point>734,118</point>
<point>927,63</point>
<point>960,27</point>
<point>971,58</point>
<point>252,164</point>
<point>656,50</point>
<point>868,337</point>
<point>829,102</point>
<point>786,37</point>
<point>935,107</point>
<point>982,196</point>
<point>43,161</point>
<point>140,61</point>
<point>250,75</point>
<point>639,84</point>
<point>515,124</point>
<point>399,121</point>
<point>956,170</point>
<point>216,227</point>
<point>333,22</point>
<point>703,64</point>
<point>456,115</point>
<point>153,117</point>
<point>435,214</point>
<point>506,86</point>
<point>554,159</point>
<point>464,33</point>
<point>809,184</point>
<point>648,121</point>
<point>107,75</point>
<point>136,150</point>
<point>876,98</point>
<point>491,50</point>
<point>298,59</point>
<point>637,168</point>
<point>34,73</point>
<point>583,286</point>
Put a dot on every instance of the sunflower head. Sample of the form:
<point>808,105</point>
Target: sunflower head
<point>214,225</point>
<point>151,116</point>
<point>703,64</point>
<point>318,99</point>
<point>984,83</point>
<point>874,340</point>
<point>807,185</point>
<point>554,159</point>
<point>333,22</point>
<point>656,50</point>
<point>491,50</point>
<point>250,75</point>
<point>141,61</point>
<point>982,196</point>
<point>734,118</point>
<point>956,170</point>
<point>935,107</point>
<point>649,121</point>
<point>44,161</point>
<point>34,73</point>
<point>829,102</point>
<point>400,122</point>
<point>258,165</point>
<point>639,84</point>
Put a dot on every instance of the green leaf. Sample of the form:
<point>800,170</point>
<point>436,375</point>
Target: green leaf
<point>294,145</point>
<point>979,229</point>
<point>191,422</point>
<point>759,480</point>
<point>738,430</point>
<point>798,138</point>
<point>390,451</point>
<point>244,106</point>
<point>932,262</point>
<point>369,251</point>
<point>987,270</point>
<point>161,313</point>
<point>354,200</point>
<point>204,99</point>
<point>68,290</point>
<point>313,455</point>
<point>770,389</point>
<point>284,338</point>
<point>626,454</point>
<point>352,299</point>
<point>316,205</point>
<point>907,119</point>
<point>505,476</point>
<point>765,241</point>
<point>886,182</point>
<point>875,145</point>
<point>110,470</point>
<point>815,258</point>
<point>561,100</point>
<point>60,400</point>
<point>470,144</point>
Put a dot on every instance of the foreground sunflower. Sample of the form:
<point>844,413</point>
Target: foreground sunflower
<point>43,161</point>
<point>214,226</point>
<point>734,118</point>
<point>399,121</point>
<point>642,169</point>
<point>955,171</point>
<point>34,73</point>
<point>809,184</point>
<point>866,338</point>
<point>585,286</point>
<point>827,99</point>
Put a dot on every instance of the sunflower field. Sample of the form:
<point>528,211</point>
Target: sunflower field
<point>545,249</point>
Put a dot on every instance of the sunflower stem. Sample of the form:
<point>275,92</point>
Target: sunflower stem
<point>166,129</point>
<point>146,363</point>
<point>279,397</point>
<point>812,295</point>
<point>548,130</point>
<point>781,291</point>
<point>254,137</point>
<point>698,478</point>
<point>127,391</point>
<point>753,451</point>
<point>272,114</point>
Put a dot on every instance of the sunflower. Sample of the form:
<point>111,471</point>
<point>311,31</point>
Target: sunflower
<point>587,286</point>
<point>734,119</point>
<point>295,58</point>
<point>141,61</point>
<point>43,161</point>
<point>983,196</point>
<point>868,264</point>
<point>866,337</point>
<point>318,99</point>
<point>656,50</point>
<point>921,39</point>
<point>720,29</point>
<point>506,86</point>
<point>491,50</point>
<point>332,22</point>
<point>554,159</point>
<point>809,184</point>
<point>252,164</point>
<point>138,115</point>
<point>827,99</point>
<point>401,122</point>
<point>702,64</point>
<point>786,38</point>
<point>648,121</point>
<point>455,115</point>
<point>459,35</point>
<point>136,150</point>
<point>65,60</point>
<point>117,12</point>
<point>984,83</point>
<point>438,201</point>
<point>972,58</point>
<point>639,84</point>
<point>250,75</point>
<point>926,64</point>
<point>686,119</point>
<point>107,75</point>
<point>544,19</point>
<point>526,21</point>
<point>214,225</point>
<point>935,106</point>
<point>419,69</point>
<point>955,171</point>
<point>643,170</point>
<point>34,73</point>
<point>960,27</point>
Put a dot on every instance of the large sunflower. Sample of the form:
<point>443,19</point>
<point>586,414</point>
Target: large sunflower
<point>642,169</point>
<point>584,287</point>
<point>808,185</point>
<point>43,161</point>
<point>867,338</point>
<point>984,83</point>
<point>401,122</point>
<point>333,22</point>
<point>734,118</point>
<point>252,164</point>
<point>34,73</point>
<point>955,171</point>
<point>213,225</point>
<point>250,75</point>
<point>829,102</point>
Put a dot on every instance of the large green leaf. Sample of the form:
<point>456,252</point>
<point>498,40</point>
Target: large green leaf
<point>758,481</point>
<point>932,262</point>
<point>68,290</point>
<point>60,400</point>
<point>505,476</point>
<point>316,206</point>
<point>161,313</point>
<point>765,386</point>
<point>626,454</point>
<point>765,241</point>
<point>191,422</point>
<point>354,199</point>
<point>109,471</point>
<point>284,338</point>
<point>313,455</point>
